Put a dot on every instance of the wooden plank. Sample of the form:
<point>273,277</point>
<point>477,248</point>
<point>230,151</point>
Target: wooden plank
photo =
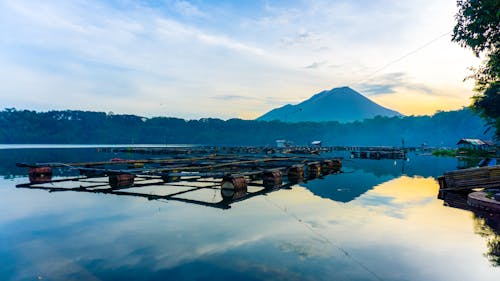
<point>473,178</point>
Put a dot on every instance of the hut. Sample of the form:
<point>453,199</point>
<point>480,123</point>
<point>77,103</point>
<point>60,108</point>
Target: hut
<point>473,144</point>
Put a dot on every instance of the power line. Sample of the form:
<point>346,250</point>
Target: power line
<point>405,56</point>
<point>326,240</point>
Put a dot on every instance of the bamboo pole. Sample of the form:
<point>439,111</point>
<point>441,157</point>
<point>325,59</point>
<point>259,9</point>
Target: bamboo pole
<point>142,161</point>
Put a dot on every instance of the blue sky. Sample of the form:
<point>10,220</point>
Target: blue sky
<point>226,59</point>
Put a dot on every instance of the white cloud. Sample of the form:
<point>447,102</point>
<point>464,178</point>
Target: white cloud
<point>147,56</point>
<point>188,9</point>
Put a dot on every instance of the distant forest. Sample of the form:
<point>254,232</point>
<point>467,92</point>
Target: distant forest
<point>85,127</point>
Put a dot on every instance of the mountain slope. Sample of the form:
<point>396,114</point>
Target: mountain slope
<point>339,104</point>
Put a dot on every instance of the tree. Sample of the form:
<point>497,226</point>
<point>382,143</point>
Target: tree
<point>478,28</point>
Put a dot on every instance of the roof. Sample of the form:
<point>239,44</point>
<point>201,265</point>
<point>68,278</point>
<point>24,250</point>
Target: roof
<point>472,141</point>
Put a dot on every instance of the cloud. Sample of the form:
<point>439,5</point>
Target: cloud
<point>276,101</point>
<point>172,29</point>
<point>321,49</point>
<point>315,64</point>
<point>390,83</point>
<point>302,36</point>
<point>171,52</point>
<point>270,100</point>
<point>187,9</point>
<point>136,53</point>
<point>232,97</point>
<point>375,89</point>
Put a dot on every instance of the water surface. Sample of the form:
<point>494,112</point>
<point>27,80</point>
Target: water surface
<point>380,220</point>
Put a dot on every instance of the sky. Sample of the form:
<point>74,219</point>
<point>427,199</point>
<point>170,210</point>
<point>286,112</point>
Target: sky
<point>228,59</point>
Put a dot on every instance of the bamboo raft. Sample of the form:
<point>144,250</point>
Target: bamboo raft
<point>475,185</point>
<point>383,152</point>
<point>238,150</point>
<point>482,177</point>
<point>236,177</point>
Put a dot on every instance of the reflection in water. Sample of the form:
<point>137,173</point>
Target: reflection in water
<point>362,175</point>
<point>486,224</point>
<point>9,157</point>
<point>489,228</point>
<point>346,186</point>
<point>468,162</point>
<point>154,189</point>
<point>389,226</point>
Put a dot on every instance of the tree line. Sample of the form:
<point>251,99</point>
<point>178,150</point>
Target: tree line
<point>86,127</point>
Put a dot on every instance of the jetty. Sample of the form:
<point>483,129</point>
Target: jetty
<point>235,177</point>
<point>377,154</point>
<point>466,179</point>
<point>481,185</point>
<point>361,152</point>
<point>235,150</point>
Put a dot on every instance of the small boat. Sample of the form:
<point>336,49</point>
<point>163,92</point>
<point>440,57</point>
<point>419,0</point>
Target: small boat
<point>487,162</point>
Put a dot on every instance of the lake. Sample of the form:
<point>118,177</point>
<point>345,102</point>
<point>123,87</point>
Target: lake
<point>379,220</point>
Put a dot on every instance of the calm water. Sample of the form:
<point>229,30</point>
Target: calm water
<point>380,220</point>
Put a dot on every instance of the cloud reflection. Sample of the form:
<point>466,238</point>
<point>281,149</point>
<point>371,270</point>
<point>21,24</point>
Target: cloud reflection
<point>285,234</point>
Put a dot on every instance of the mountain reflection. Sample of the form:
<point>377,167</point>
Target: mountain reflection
<point>359,225</point>
<point>359,176</point>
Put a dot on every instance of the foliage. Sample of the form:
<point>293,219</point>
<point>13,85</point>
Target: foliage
<point>477,24</point>
<point>60,127</point>
<point>488,105</point>
<point>478,27</point>
<point>445,152</point>
<point>464,152</point>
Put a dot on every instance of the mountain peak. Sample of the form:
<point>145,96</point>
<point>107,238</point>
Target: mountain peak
<point>341,104</point>
<point>343,90</point>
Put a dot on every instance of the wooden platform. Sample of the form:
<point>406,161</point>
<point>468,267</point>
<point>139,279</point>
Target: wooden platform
<point>237,177</point>
<point>482,177</point>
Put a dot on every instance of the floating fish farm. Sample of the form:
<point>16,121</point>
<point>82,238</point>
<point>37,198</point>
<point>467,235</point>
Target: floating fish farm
<point>235,177</point>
